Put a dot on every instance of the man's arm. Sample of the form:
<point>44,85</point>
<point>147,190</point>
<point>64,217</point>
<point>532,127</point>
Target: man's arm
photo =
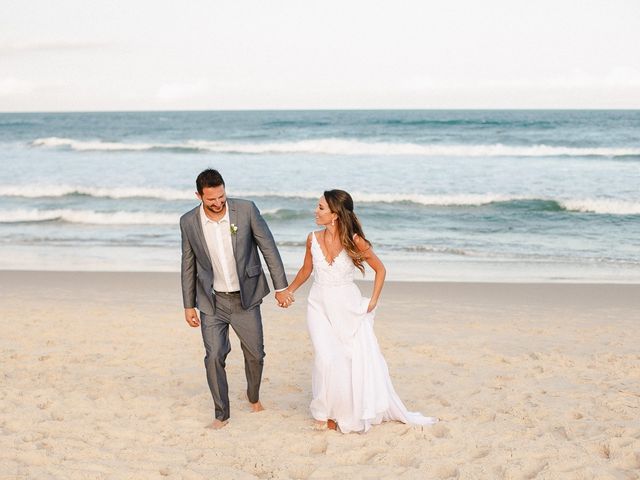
<point>188,280</point>
<point>267,246</point>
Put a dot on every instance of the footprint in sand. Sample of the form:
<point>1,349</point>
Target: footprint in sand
<point>319,447</point>
<point>440,431</point>
<point>481,453</point>
<point>534,471</point>
<point>447,471</point>
<point>300,471</point>
<point>604,451</point>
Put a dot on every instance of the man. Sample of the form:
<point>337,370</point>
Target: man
<point>223,278</point>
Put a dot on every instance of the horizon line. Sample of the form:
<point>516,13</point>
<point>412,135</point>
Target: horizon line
<point>227,110</point>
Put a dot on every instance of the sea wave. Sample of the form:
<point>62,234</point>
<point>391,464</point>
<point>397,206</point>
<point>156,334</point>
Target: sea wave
<point>337,146</point>
<point>48,191</point>
<point>285,214</point>
<point>52,191</point>
<point>427,249</point>
<point>585,205</point>
<point>603,206</point>
<point>593,205</point>
<point>87,217</point>
<point>404,198</point>
<point>467,122</point>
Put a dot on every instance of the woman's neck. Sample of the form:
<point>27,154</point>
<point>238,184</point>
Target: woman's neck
<point>332,230</point>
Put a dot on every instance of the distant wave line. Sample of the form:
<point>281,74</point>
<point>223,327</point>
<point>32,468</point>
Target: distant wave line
<point>48,191</point>
<point>88,217</point>
<point>584,205</point>
<point>93,217</point>
<point>337,146</point>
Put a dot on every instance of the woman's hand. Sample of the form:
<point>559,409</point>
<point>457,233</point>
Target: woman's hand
<point>371,306</point>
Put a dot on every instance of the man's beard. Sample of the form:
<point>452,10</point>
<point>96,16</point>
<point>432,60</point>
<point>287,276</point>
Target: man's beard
<point>213,210</point>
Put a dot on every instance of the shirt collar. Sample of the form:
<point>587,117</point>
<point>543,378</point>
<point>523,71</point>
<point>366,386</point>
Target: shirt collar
<point>205,219</point>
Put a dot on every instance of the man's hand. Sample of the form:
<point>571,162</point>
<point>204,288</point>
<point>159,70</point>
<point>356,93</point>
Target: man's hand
<point>284,298</point>
<point>191,316</point>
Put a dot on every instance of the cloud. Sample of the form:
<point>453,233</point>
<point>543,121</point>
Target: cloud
<point>47,47</point>
<point>619,77</point>
<point>14,86</point>
<point>623,77</point>
<point>172,92</point>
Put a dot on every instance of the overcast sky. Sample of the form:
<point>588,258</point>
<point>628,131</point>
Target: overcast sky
<point>86,55</point>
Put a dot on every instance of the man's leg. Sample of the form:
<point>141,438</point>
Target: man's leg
<point>248,326</point>
<point>215,334</point>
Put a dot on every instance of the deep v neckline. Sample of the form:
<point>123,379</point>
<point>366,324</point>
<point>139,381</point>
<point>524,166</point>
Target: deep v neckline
<point>324,256</point>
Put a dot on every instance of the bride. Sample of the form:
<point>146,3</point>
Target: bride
<point>351,386</point>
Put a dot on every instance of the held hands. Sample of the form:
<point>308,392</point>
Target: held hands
<point>284,298</point>
<point>191,316</point>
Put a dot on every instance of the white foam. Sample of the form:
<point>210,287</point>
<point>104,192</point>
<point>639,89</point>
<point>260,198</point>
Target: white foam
<point>337,146</point>
<point>435,200</point>
<point>88,217</point>
<point>84,145</point>
<point>116,192</point>
<point>602,206</point>
<point>428,200</point>
<point>41,191</point>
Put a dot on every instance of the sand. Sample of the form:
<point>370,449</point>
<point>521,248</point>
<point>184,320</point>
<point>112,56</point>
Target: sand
<point>102,378</point>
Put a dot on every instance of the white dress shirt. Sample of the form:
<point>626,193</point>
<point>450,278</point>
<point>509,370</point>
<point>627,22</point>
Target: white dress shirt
<point>218,238</point>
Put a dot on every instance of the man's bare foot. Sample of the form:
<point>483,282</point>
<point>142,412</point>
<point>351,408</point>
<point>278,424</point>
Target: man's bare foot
<point>217,424</point>
<point>256,407</point>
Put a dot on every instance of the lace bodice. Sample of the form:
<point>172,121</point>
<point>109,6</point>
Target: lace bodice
<point>340,272</point>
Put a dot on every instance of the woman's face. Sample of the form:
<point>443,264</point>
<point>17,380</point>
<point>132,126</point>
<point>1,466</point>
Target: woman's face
<point>324,216</point>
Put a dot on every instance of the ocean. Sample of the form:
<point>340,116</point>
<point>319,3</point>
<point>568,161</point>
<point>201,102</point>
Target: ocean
<point>458,195</point>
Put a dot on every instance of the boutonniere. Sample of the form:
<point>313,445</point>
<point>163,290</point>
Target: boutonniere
<point>233,228</point>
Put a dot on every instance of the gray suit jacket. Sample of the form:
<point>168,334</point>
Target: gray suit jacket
<point>252,233</point>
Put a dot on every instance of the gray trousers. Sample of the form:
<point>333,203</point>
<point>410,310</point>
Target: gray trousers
<point>215,333</point>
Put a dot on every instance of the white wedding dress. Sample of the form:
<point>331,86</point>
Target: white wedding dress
<point>350,380</point>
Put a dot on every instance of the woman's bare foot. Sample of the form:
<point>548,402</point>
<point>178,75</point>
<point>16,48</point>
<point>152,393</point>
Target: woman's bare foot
<point>319,425</point>
<point>322,425</point>
<point>256,407</point>
<point>217,424</point>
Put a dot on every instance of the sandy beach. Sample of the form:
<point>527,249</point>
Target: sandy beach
<point>102,378</point>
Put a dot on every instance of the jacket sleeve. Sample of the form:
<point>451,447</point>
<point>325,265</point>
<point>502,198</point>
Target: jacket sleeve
<point>267,246</point>
<point>187,271</point>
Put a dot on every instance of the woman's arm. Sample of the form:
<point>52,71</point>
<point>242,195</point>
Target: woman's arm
<point>305,270</point>
<point>369,256</point>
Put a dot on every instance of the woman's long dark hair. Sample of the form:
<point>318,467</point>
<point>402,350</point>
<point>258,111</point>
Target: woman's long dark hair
<point>341,203</point>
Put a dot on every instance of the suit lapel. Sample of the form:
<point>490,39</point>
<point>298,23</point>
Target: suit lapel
<point>233,220</point>
<point>197,226</point>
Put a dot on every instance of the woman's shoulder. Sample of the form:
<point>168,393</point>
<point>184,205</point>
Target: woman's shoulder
<point>362,244</point>
<point>313,233</point>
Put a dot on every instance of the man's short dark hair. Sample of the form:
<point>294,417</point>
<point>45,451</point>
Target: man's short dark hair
<point>208,178</point>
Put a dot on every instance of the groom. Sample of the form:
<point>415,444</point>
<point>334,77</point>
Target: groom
<point>223,278</point>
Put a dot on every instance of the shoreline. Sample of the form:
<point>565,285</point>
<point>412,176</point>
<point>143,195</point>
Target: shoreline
<point>425,293</point>
<point>168,274</point>
<point>400,267</point>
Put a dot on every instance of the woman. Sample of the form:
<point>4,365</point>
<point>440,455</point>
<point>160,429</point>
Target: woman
<point>350,381</point>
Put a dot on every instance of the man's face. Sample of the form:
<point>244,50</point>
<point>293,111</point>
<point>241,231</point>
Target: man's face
<point>214,199</point>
